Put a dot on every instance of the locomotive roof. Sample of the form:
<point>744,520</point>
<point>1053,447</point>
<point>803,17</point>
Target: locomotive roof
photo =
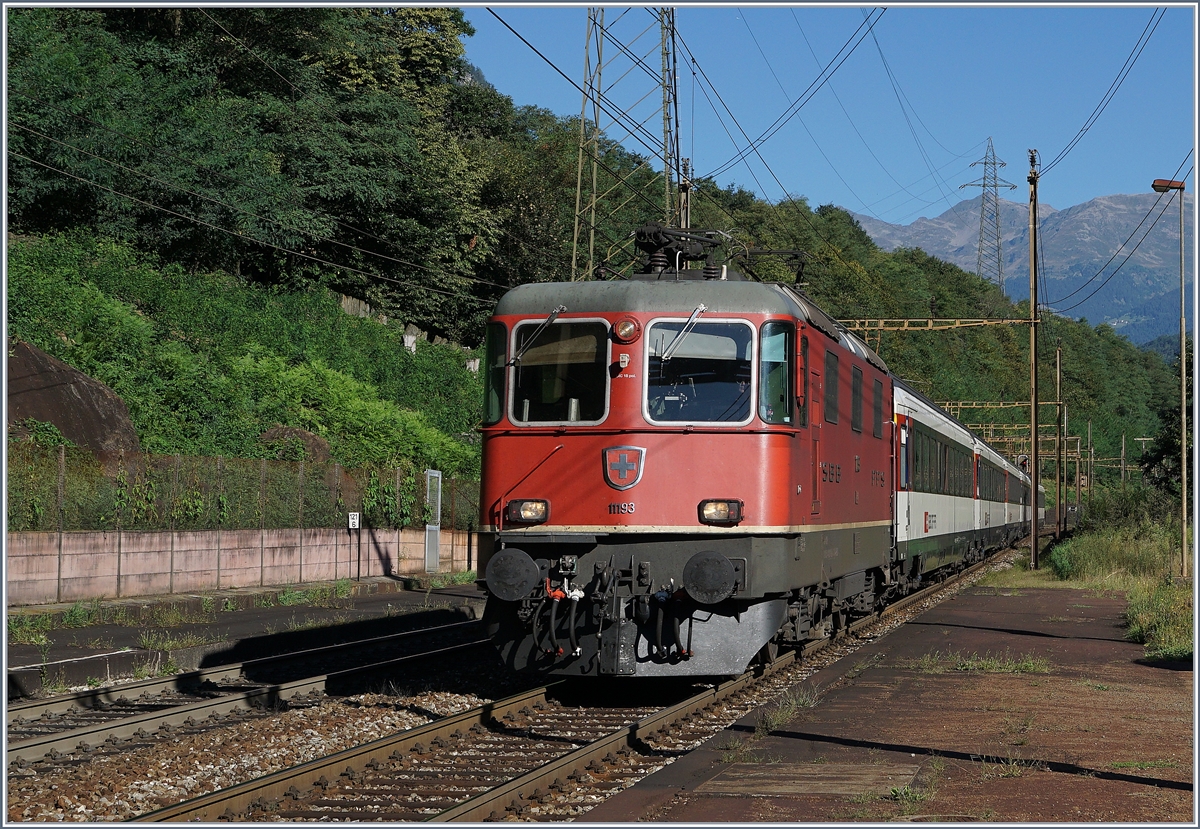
<point>668,296</point>
<point>636,296</point>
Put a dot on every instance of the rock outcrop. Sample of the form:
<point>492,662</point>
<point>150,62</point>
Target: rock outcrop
<point>87,412</point>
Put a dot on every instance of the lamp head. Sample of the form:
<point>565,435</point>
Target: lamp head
<point>1162,185</point>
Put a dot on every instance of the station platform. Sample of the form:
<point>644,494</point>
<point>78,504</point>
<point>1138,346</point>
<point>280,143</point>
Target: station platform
<point>997,704</point>
<point>98,642</point>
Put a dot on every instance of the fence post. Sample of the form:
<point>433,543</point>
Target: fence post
<point>262,521</point>
<point>337,499</point>
<point>220,490</point>
<point>300,516</point>
<point>62,474</point>
<point>171,521</point>
<point>117,514</point>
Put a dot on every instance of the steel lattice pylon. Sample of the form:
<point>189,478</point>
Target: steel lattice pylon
<point>990,263</point>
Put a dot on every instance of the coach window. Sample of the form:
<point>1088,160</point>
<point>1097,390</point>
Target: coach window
<point>775,372</point>
<point>701,375</point>
<point>562,375</point>
<point>493,375</point>
<point>831,387</point>
<point>856,398</point>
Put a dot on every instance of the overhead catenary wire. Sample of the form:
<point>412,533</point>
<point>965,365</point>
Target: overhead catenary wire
<point>816,143</point>
<point>787,198</point>
<point>296,90</point>
<point>241,235</point>
<point>901,99</point>
<point>848,49</point>
<point>250,213</point>
<point>1120,247</point>
<point>157,150</point>
<point>1130,254</point>
<point>604,104</point>
<point>857,132</point>
<point>241,182</point>
<point>1155,18</point>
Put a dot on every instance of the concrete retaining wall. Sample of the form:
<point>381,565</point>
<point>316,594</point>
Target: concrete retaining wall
<point>46,567</point>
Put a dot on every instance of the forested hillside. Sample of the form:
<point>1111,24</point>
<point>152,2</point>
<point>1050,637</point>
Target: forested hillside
<point>191,189</point>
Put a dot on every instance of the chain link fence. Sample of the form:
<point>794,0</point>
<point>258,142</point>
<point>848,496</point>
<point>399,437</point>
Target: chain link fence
<point>65,488</point>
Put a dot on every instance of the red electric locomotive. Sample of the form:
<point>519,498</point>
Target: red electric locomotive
<point>681,471</point>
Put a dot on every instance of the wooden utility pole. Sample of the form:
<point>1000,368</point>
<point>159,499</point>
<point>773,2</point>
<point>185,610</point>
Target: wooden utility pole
<point>1077,487</point>
<point>1060,503</point>
<point>1091,466</point>
<point>1122,461</point>
<point>1034,471</point>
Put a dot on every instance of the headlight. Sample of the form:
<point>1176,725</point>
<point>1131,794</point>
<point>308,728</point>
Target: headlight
<point>721,511</point>
<point>527,512</point>
<point>626,330</point>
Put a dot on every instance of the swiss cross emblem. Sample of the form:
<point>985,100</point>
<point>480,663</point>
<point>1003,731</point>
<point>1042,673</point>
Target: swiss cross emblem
<point>623,466</point>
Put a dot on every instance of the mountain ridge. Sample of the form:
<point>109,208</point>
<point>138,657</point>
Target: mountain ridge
<point>1081,247</point>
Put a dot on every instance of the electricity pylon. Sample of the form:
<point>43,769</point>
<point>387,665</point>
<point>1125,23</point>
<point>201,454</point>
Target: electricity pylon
<point>597,184</point>
<point>589,145</point>
<point>990,264</point>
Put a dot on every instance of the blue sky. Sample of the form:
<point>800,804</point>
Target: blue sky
<point>1026,76</point>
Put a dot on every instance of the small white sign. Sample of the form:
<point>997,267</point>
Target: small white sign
<point>354,520</point>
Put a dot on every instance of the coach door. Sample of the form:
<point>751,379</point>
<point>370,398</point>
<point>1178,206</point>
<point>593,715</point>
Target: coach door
<point>816,397</point>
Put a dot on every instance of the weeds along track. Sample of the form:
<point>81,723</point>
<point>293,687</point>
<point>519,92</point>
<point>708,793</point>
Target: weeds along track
<point>63,730</point>
<point>550,753</point>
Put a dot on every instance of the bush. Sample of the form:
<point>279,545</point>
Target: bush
<point>1160,617</point>
<point>1117,556</point>
<point>1138,508</point>
<point>207,362</point>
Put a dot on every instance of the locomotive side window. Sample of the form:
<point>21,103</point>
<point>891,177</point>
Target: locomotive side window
<point>856,378</point>
<point>877,410</point>
<point>705,376</point>
<point>775,373</point>
<point>802,398</point>
<point>493,375</point>
<point>562,375</point>
<point>831,387</point>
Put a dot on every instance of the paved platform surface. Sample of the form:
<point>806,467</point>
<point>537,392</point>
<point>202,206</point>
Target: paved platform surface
<point>915,727</point>
<point>230,625</point>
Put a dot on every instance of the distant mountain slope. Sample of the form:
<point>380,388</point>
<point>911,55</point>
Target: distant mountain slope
<point>1141,300</point>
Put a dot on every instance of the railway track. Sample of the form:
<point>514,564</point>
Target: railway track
<point>532,755</point>
<point>62,729</point>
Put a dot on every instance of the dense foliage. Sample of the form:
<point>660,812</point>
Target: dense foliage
<point>206,363</point>
<point>200,184</point>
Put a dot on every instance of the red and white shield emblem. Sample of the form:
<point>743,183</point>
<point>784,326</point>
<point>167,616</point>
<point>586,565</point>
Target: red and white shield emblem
<point>623,466</point>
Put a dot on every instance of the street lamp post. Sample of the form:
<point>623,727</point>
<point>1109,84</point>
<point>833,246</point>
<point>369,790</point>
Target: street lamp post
<point>1163,185</point>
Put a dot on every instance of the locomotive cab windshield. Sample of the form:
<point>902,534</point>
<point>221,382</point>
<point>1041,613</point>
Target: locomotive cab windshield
<point>701,374</point>
<point>562,375</point>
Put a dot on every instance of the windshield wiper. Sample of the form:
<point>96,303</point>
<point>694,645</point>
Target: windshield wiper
<point>536,333</point>
<point>687,328</point>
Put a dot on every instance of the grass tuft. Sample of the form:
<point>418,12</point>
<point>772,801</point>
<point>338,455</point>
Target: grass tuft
<point>161,640</point>
<point>439,580</point>
<point>939,663</point>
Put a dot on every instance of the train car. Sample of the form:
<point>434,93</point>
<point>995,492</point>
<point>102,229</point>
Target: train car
<point>685,470</point>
